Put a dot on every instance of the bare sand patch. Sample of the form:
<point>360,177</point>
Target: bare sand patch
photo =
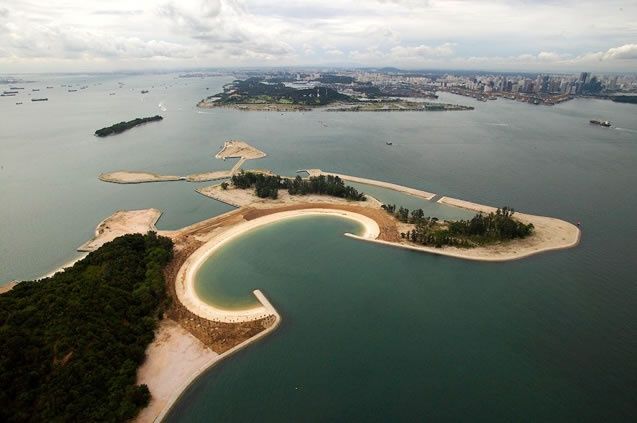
<point>121,223</point>
<point>239,149</point>
<point>134,177</point>
<point>173,358</point>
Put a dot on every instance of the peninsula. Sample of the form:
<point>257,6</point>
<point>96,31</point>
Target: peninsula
<point>118,128</point>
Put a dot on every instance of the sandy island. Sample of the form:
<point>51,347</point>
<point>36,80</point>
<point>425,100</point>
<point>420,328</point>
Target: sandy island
<point>205,333</point>
<point>230,149</point>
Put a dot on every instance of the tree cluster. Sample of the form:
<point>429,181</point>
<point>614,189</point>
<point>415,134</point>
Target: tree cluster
<point>267,186</point>
<point>324,185</point>
<point>481,229</point>
<point>70,344</point>
<point>124,126</point>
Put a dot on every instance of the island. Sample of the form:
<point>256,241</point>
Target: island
<point>179,335</point>
<point>118,128</point>
<point>261,94</point>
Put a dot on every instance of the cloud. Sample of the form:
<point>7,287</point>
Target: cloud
<point>405,33</point>
<point>625,52</point>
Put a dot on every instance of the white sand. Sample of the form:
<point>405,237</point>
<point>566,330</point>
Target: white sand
<point>239,149</point>
<point>121,223</point>
<point>134,177</point>
<point>411,191</point>
<point>172,359</point>
<point>185,283</point>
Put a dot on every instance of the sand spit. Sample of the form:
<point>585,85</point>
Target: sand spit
<point>186,278</point>
<point>231,149</point>
<point>121,223</point>
<point>239,149</point>
<point>411,191</point>
<point>134,177</point>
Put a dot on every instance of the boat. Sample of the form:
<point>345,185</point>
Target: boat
<point>40,99</point>
<point>19,102</point>
<point>144,91</point>
<point>35,89</point>
<point>389,143</point>
<point>603,123</point>
<point>72,91</point>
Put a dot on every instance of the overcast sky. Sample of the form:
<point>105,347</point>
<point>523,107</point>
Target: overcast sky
<point>101,35</point>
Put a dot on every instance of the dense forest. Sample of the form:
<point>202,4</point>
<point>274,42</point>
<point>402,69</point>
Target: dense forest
<point>267,186</point>
<point>254,90</point>
<point>481,229</point>
<point>124,126</point>
<point>70,344</point>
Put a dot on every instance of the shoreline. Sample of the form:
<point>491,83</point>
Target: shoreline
<point>186,278</point>
<point>183,387</point>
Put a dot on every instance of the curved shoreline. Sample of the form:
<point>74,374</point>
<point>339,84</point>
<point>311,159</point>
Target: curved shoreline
<point>186,278</point>
<point>179,391</point>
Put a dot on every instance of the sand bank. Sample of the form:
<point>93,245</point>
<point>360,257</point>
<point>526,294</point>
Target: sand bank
<point>134,177</point>
<point>122,223</point>
<point>186,278</point>
<point>411,191</point>
<point>239,149</point>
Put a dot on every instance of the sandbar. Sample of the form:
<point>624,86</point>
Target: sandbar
<point>135,177</point>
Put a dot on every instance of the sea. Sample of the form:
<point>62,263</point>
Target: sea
<point>369,333</point>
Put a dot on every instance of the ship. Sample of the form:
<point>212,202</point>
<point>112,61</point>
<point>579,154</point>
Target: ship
<point>72,91</point>
<point>389,143</point>
<point>40,99</point>
<point>603,123</point>
<point>144,91</point>
<point>18,103</point>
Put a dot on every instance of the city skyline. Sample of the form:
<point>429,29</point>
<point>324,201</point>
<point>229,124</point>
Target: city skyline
<point>505,36</point>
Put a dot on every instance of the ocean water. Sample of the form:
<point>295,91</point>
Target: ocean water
<point>369,333</point>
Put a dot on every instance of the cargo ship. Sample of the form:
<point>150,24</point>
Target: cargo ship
<point>603,123</point>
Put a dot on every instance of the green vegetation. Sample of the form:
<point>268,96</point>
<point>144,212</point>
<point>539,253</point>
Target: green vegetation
<point>70,344</point>
<point>124,126</point>
<point>255,91</point>
<point>267,186</point>
<point>480,230</point>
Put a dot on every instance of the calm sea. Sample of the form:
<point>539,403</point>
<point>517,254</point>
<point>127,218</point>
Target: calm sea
<point>370,333</point>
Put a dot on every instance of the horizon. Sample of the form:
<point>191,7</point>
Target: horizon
<point>560,36</point>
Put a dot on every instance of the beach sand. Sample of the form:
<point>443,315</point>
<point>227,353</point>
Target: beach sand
<point>121,223</point>
<point>134,177</point>
<point>173,358</point>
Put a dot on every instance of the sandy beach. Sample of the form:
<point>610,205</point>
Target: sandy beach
<point>121,223</point>
<point>186,278</point>
<point>172,358</point>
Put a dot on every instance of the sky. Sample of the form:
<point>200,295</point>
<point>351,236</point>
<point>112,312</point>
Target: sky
<point>517,35</point>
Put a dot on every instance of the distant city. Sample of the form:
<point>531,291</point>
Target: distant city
<point>544,89</point>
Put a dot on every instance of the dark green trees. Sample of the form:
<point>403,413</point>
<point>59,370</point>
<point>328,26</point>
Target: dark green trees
<point>124,126</point>
<point>267,186</point>
<point>70,344</point>
<point>481,229</point>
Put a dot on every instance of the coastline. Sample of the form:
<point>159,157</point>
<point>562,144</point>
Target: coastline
<point>186,278</point>
<point>179,390</point>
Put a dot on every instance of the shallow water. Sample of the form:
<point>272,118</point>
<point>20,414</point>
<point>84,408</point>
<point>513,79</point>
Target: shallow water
<point>369,332</point>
